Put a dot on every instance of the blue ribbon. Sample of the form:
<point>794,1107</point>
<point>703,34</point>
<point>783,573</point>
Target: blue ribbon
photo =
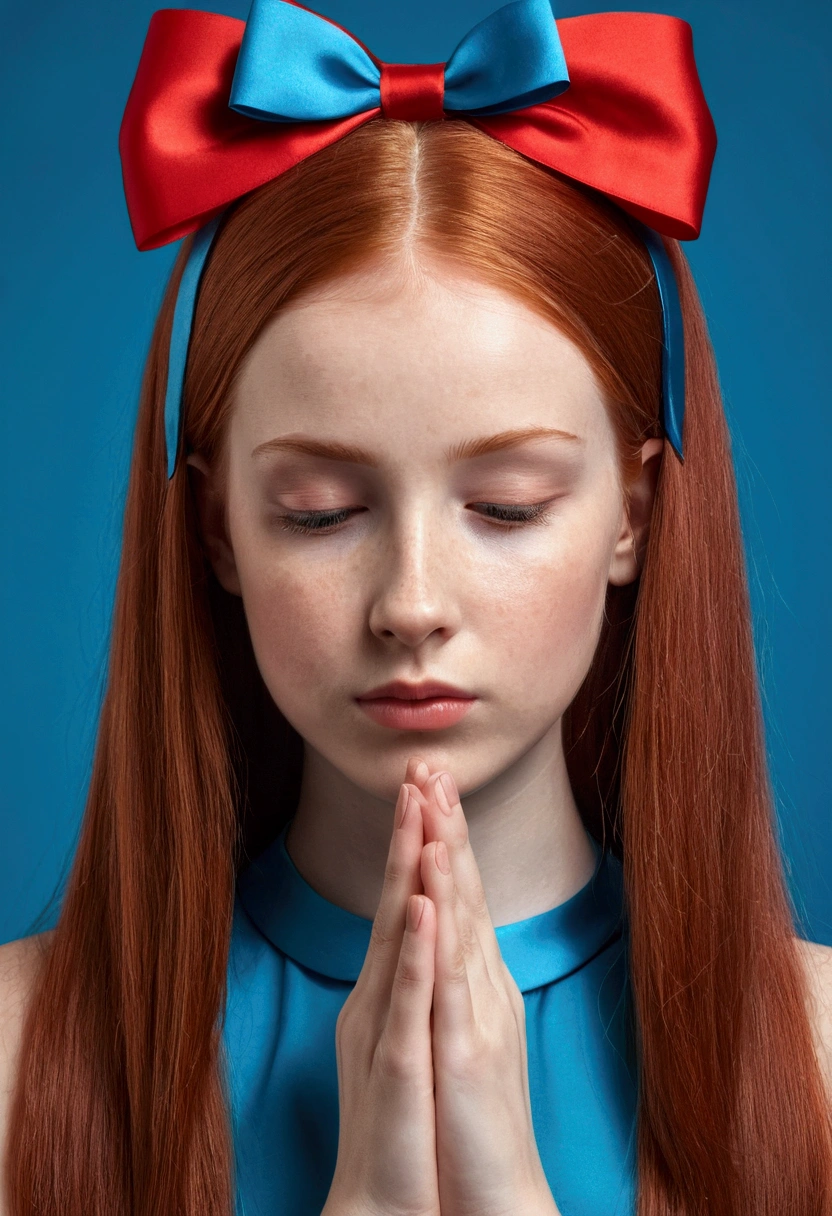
<point>294,66</point>
<point>673,336</point>
<point>180,335</point>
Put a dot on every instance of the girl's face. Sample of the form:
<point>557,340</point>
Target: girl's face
<point>383,431</point>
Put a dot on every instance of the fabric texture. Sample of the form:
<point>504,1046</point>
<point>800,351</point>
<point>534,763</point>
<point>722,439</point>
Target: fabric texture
<point>633,122</point>
<point>294,959</point>
<point>219,107</point>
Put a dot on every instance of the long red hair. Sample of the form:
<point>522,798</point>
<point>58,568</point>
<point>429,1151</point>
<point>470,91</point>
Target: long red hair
<point>120,1105</point>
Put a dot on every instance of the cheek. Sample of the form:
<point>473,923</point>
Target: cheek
<point>299,620</point>
<point>548,618</point>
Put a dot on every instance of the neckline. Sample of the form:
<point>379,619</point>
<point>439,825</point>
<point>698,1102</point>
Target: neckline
<point>327,939</point>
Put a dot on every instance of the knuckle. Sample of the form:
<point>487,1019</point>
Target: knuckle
<point>466,1060</point>
<point>355,1029</point>
<point>394,871</point>
<point>341,1038</point>
<point>353,1011</point>
<point>396,1061</point>
<point>479,904</point>
<point>457,969</point>
<point>382,938</point>
<point>481,1051</point>
<point>343,1023</point>
<point>408,977</point>
<point>468,938</point>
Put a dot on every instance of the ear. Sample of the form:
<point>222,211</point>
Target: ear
<point>628,554</point>
<point>210,508</point>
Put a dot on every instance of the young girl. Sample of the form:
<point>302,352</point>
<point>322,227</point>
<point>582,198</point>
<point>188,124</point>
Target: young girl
<point>410,521</point>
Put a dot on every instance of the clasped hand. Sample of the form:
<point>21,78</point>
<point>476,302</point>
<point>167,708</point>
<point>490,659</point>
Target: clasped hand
<point>435,1115</point>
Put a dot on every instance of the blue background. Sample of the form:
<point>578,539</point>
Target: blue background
<point>78,303</point>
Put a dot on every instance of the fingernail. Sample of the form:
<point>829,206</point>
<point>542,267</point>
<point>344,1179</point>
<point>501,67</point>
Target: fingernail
<point>415,908</point>
<point>422,772</point>
<point>446,792</point>
<point>442,857</point>
<point>404,801</point>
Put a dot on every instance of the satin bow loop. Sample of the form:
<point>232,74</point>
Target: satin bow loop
<point>296,66</point>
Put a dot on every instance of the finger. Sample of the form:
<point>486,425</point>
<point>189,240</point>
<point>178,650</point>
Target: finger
<point>418,771</point>
<point>401,880</point>
<point>445,820</point>
<point>453,1004</point>
<point>407,1029</point>
<point>462,925</point>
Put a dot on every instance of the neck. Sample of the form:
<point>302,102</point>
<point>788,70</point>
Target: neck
<point>526,833</point>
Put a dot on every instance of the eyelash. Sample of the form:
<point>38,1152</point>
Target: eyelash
<point>326,521</point>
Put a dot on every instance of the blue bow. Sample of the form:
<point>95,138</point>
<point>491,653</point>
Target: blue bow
<point>294,65</point>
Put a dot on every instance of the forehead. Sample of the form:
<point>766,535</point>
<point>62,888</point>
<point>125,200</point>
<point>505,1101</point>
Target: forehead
<point>414,358</point>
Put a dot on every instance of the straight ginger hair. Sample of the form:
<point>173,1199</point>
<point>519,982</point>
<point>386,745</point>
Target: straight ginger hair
<point>120,1104</point>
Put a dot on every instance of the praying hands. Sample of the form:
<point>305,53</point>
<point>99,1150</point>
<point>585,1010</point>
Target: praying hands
<point>435,1115</point>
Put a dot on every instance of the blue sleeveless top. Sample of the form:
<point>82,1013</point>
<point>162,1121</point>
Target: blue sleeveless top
<point>294,959</point>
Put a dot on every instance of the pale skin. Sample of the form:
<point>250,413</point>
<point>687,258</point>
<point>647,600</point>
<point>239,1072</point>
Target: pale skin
<point>416,580</point>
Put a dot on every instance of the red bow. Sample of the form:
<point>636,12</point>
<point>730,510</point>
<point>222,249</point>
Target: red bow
<point>633,123</point>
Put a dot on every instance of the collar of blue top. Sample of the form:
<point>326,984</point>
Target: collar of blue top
<point>326,938</point>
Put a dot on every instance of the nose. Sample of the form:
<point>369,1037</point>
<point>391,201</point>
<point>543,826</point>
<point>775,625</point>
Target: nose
<point>414,579</point>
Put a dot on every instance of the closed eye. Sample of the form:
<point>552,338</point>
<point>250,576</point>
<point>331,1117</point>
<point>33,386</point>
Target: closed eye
<point>506,515</point>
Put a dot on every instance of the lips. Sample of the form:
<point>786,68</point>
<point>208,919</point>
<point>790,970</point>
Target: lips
<point>401,690</point>
<point>403,707</point>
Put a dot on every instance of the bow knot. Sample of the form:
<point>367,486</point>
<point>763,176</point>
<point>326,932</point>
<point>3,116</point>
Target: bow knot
<point>295,66</point>
<point>414,92</point>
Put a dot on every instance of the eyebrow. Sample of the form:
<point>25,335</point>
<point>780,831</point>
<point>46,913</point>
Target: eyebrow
<point>467,450</point>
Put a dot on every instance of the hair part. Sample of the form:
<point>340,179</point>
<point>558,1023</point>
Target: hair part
<point>120,1103</point>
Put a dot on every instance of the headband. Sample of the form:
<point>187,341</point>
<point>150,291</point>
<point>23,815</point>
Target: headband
<point>221,106</point>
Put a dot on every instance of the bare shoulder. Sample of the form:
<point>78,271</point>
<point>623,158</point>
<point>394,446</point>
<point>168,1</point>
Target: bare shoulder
<point>20,964</point>
<point>817,963</point>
